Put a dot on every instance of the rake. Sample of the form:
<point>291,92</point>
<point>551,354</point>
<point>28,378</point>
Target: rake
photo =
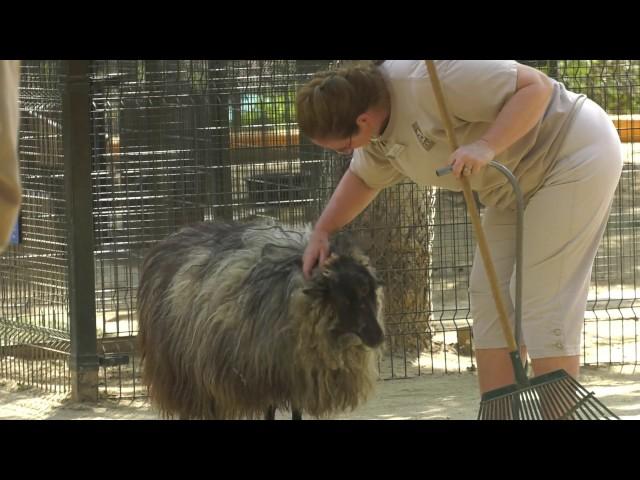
<point>555,395</point>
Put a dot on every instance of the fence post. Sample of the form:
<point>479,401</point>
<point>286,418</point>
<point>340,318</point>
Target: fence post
<point>77,173</point>
<point>553,69</point>
<point>220,180</point>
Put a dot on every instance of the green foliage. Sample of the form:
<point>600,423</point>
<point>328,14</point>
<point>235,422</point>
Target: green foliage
<point>613,84</point>
<point>268,109</point>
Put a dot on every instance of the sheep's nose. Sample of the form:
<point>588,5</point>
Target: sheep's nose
<point>373,336</point>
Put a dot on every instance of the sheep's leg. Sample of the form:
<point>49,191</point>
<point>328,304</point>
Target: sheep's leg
<point>270,413</point>
<point>296,414</point>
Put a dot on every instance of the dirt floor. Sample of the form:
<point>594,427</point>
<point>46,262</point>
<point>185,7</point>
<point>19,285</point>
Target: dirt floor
<point>428,397</point>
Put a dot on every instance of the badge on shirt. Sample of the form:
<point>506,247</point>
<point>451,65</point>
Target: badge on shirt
<point>426,142</point>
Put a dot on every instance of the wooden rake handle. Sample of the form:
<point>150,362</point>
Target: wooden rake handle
<point>473,212</point>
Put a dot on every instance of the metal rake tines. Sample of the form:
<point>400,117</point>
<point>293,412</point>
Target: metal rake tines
<point>553,396</point>
<point>564,398</point>
<point>520,405</point>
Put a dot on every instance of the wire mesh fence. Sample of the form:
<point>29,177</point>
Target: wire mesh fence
<point>34,326</point>
<point>176,142</point>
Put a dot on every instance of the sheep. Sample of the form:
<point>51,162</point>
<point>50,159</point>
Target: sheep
<point>229,328</point>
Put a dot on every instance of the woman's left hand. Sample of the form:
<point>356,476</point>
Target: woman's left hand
<point>471,158</point>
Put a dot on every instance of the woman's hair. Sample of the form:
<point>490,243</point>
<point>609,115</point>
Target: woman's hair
<point>329,104</point>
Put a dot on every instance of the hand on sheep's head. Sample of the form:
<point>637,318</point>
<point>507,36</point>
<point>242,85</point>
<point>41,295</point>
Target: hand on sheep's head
<point>316,252</point>
<point>322,276</point>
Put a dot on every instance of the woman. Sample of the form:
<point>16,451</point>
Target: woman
<point>10,189</point>
<point>561,146</point>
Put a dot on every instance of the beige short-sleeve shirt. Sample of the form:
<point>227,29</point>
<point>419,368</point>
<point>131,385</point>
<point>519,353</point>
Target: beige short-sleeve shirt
<point>414,144</point>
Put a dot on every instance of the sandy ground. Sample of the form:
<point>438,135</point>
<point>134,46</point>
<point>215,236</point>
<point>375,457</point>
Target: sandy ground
<point>427,397</point>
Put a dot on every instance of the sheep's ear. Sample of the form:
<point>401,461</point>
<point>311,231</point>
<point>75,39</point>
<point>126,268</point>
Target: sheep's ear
<point>313,291</point>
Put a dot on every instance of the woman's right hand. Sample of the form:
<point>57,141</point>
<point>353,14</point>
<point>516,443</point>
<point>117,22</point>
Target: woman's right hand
<point>349,199</point>
<point>316,252</point>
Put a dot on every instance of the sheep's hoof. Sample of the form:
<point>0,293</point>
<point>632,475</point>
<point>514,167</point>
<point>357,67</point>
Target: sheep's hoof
<point>270,413</point>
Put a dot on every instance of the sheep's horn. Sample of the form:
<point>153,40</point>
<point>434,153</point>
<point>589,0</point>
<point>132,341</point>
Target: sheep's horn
<point>331,259</point>
<point>326,272</point>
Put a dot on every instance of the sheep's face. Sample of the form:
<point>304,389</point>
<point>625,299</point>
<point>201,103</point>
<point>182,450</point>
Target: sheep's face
<point>350,289</point>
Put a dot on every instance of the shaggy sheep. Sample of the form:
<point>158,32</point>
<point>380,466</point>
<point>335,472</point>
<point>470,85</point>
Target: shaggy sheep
<point>230,328</point>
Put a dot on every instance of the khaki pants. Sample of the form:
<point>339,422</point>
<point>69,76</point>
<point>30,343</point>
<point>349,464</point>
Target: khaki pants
<point>563,225</point>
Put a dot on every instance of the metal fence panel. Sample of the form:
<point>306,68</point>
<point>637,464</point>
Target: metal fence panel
<point>174,142</point>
